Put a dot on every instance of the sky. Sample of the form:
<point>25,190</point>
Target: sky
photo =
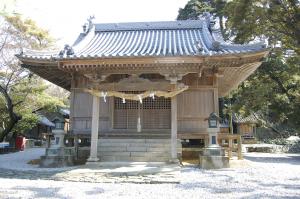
<point>64,18</point>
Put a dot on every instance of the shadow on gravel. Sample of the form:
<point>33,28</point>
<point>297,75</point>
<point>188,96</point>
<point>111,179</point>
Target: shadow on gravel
<point>40,192</point>
<point>289,159</point>
<point>213,188</point>
<point>286,186</point>
<point>30,174</point>
<point>95,191</point>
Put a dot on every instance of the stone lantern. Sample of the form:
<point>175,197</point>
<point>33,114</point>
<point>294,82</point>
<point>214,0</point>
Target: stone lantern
<point>213,120</point>
<point>57,155</point>
<point>213,156</point>
<point>213,129</point>
<point>59,135</point>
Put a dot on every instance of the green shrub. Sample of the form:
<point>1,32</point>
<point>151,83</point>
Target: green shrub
<point>277,141</point>
<point>294,148</point>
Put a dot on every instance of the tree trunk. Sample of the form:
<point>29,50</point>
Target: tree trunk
<point>13,117</point>
<point>281,86</point>
<point>221,26</point>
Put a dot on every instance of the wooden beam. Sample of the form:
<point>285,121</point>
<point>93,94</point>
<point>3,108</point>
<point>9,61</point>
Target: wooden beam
<point>162,86</point>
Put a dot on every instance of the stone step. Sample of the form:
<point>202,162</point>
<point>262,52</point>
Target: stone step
<point>166,141</point>
<point>113,149</point>
<point>135,154</point>
<point>137,150</point>
<point>105,144</point>
<point>134,141</point>
<point>150,154</point>
<point>135,136</point>
<point>134,159</point>
<point>133,149</point>
<point>113,153</point>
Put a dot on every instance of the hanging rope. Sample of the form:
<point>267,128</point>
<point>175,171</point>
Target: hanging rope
<point>136,97</point>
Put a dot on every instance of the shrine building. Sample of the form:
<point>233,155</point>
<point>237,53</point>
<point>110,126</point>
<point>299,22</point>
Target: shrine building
<point>139,89</point>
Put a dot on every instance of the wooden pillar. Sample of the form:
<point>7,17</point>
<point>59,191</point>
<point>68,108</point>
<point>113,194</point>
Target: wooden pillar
<point>174,128</point>
<point>216,93</point>
<point>72,98</point>
<point>95,126</point>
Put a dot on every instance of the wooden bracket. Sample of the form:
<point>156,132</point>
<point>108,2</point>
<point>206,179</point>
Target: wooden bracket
<point>95,77</point>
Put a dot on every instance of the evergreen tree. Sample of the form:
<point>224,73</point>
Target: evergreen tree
<point>273,90</point>
<point>20,92</point>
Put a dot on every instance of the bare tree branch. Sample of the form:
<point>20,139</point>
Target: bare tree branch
<point>4,43</point>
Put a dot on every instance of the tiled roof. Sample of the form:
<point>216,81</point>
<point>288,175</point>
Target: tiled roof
<point>45,121</point>
<point>253,118</point>
<point>149,39</point>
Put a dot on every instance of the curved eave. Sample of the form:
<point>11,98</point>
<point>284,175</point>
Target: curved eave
<point>48,70</point>
<point>215,54</point>
<point>236,67</point>
<point>260,53</point>
<point>36,59</point>
<point>199,55</point>
<point>233,77</point>
<point>221,60</point>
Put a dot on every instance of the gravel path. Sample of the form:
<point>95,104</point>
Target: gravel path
<point>265,176</point>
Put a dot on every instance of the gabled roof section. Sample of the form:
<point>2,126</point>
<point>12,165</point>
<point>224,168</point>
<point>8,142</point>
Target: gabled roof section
<point>45,121</point>
<point>40,55</point>
<point>148,39</point>
<point>251,119</point>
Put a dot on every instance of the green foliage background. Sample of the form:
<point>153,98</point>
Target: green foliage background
<point>273,90</point>
<point>27,92</point>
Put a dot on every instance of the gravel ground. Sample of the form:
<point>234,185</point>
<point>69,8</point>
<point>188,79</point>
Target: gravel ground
<point>265,176</point>
<point>19,160</point>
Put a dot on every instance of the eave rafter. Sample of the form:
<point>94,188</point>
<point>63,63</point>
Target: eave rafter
<point>50,72</point>
<point>147,65</point>
<point>60,71</point>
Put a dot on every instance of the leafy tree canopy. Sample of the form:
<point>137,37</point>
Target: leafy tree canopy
<point>273,90</point>
<point>21,93</point>
<point>277,20</point>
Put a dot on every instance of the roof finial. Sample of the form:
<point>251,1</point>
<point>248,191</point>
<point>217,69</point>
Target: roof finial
<point>67,51</point>
<point>207,17</point>
<point>89,24</point>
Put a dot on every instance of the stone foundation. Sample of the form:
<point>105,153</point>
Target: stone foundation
<point>136,150</point>
<point>214,162</point>
<point>56,161</point>
<point>213,158</point>
<point>57,157</point>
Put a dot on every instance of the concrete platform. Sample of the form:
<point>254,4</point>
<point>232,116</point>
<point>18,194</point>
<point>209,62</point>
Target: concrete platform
<point>135,150</point>
<point>213,158</point>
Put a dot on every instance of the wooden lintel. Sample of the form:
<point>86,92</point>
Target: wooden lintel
<point>143,69</point>
<point>162,86</point>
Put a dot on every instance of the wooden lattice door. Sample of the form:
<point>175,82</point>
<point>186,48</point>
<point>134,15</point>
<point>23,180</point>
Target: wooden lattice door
<point>154,113</point>
<point>125,114</point>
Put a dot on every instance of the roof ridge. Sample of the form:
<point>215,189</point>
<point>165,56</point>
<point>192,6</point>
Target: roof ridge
<point>151,25</point>
<point>168,21</point>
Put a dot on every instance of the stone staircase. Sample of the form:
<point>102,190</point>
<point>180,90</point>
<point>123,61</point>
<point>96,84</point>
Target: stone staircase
<point>135,150</point>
